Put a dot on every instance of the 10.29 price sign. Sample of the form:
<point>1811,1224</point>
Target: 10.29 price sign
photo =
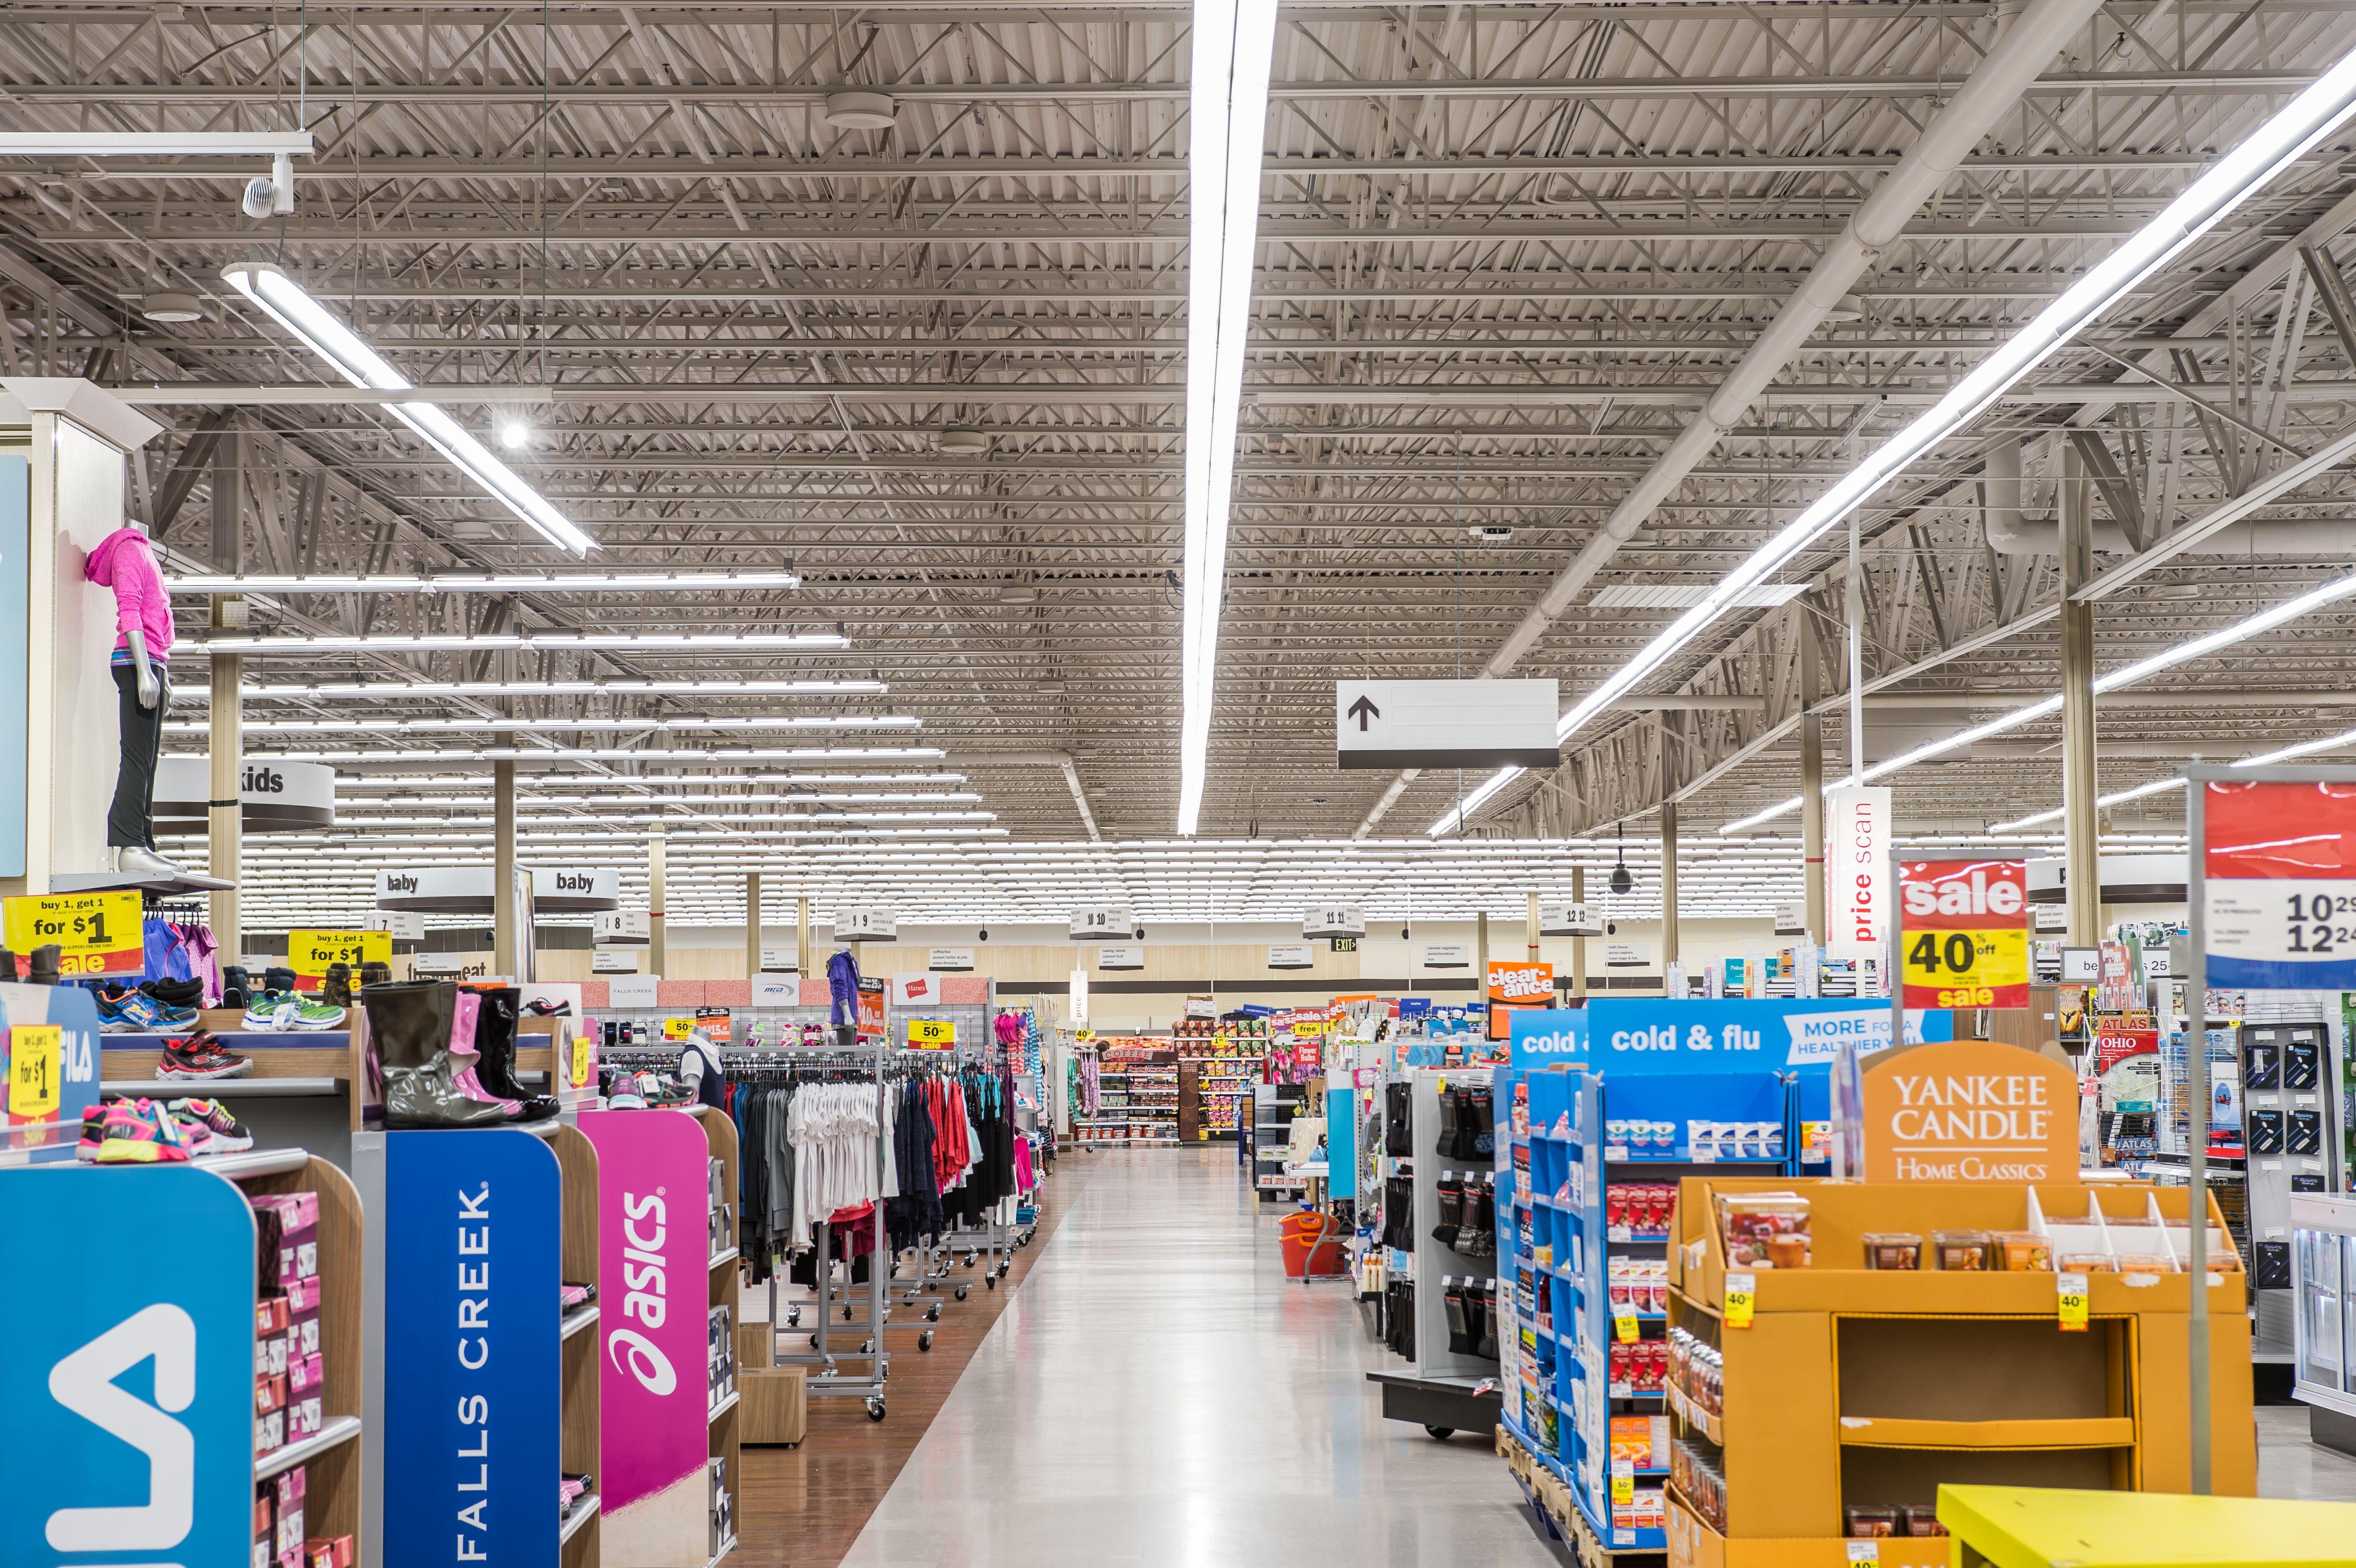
<point>1963,939</point>
<point>2279,860</point>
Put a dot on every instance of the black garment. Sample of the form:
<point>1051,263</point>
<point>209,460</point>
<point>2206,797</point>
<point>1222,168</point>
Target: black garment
<point>131,821</point>
<point>917,1211</point>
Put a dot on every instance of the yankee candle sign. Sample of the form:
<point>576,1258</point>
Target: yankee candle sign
<point>1971,1111</point>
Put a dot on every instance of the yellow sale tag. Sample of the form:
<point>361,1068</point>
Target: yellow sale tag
<point>678,1029</point>
<point>311,954</point>
<point>1742,1296</point>
<point>1623,1325</point>
<point>2073,1301</point>
<point>580,1077</point>
<point>932,1034</point>
<point>95,934</point>
<point>36,1054</point>
<point>1624,1484</point>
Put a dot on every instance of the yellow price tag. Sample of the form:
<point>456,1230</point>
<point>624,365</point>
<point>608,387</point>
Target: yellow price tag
<point>1624,1483</point>
<point>580,1075</point>
<point>2073,1287</point>
<point>310,954</point>
<point>95,934</point>
<point>35,1061</point>
<point>931,1034</point>
<point>678,1029</point>
<point>1742,1299</point>
<point>1623,1325</point>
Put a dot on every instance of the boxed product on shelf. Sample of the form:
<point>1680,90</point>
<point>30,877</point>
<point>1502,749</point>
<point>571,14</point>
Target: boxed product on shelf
<point>723,1507</point>
<point>720,1365</point>
<point>278,1518</point>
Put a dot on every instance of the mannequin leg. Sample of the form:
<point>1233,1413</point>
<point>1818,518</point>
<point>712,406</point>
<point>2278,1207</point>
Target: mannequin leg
<point>131,820</point>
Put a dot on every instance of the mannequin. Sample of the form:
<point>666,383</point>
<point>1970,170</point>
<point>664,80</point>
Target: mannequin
<point>124,561</point>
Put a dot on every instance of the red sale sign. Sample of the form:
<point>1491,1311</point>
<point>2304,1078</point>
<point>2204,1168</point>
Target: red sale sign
<point>1964,932</point>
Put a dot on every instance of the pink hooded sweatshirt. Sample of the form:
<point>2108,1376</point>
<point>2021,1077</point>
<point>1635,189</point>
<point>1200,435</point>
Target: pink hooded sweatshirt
<point>126,562</point>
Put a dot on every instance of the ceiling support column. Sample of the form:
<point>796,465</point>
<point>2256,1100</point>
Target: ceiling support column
<point>2081,846</point>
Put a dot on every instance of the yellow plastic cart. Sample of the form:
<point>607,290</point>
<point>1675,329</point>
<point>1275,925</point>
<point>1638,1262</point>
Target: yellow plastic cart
<point>2033,1527</point>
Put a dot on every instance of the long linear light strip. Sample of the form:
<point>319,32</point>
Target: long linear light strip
<point>2225,185</point>
<point>414,800</point>
<point>482,581</point>
<point>392,690</point>
<point>1234,41</point>
<point>610,754</point>
<point>2157,786</point>
<point>423,783</point>
<point>288,304</point>
<point>677,835</point>
<point>462,726</point>
<point>2341,741</point>
<point>538,819</point>
<point>2266,620</point>
<point>460,641</point>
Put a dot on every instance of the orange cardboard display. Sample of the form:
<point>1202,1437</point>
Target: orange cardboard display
<point>1973,1111</point>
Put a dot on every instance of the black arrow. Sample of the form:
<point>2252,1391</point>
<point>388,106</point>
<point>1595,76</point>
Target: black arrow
<point>1362,710</point>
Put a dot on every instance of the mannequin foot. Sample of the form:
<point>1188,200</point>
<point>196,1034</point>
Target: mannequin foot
<point>132,860</point>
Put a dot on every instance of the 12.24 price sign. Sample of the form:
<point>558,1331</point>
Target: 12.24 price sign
<point>1963,937</point>
<point>2279,864</point>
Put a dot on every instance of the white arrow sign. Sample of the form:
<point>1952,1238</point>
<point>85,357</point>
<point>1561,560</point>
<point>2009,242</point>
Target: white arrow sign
<point>1445,723</point>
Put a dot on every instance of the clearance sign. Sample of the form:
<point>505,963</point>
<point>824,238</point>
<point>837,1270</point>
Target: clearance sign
<point>1964,932</point>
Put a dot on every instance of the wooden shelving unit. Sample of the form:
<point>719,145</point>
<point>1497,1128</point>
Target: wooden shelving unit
<point>1856,1386</point>
<point>727,1415</point>
<point>301,1092</point>
<point>576,1160</point>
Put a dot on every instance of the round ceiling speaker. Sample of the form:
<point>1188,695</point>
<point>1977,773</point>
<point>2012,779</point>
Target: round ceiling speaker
<point>859,110</point>
<point>172,305</point>
<point>964,442</point>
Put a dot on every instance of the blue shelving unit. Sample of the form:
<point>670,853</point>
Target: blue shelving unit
<point>1565,1154</point>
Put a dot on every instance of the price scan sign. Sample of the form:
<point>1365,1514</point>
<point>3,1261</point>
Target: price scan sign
<point>2279,903</point>
<point>311,954</point>
<point>932,1034</point>
<point>95,934</point>
<point>1964,932</point>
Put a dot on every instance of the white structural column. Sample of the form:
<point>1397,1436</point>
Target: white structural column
<point>752,922</point>
<point>224,848</point>
<point>657,950</point>
<point>2081,846</point>
<point>1812,779</point>
<point>1668,887</point>
<point>802,939</point>
<point>1531,928</point>
<point>1578,944</point>
<point>506,917</point>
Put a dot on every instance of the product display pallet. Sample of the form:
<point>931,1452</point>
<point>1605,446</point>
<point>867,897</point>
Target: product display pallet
<point>1851,1387</point>
<point>1556,1501</point>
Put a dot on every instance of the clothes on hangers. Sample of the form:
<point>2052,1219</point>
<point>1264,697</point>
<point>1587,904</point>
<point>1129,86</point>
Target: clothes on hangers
<point>181,950</point>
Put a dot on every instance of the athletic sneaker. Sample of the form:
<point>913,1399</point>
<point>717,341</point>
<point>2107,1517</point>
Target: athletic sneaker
<point>133,1013</point>
<point>140,1132</point>
<point>93,1132</point>
<point>210,1128</point>
<point>276,1010</point>
<point>200,1056</point>
<point>542,1008</point>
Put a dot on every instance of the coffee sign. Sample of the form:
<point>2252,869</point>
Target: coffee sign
<point>1971,1111</point>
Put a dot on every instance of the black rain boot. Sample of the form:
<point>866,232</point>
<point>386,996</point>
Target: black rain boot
<point>495,1044</point>
<point>236,990</point>
<point>278,979</point>
<point>43,970</point>
<point>409,1038</point>
<point>8,970</point>
<point>375,973</point>
<point>335,987</point>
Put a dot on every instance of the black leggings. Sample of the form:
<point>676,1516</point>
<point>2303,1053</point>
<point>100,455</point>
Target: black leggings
<point>132,819</point>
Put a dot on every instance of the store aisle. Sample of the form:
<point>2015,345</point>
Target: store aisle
<point>1158,1392</point>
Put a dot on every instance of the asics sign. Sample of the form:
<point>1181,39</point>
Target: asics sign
<point>647,1296</point>
<point>130,1432</point>
<point>633,1352</point>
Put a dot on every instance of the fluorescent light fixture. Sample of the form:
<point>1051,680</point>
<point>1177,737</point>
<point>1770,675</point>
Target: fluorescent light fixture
<point>536,726</point>
<point>716,754</point>
<point>1456,816</point>
<point>634,784</point>
<point>537,820</point>
<point>483,582</point>
<point>155,143</point>
<point>1227,123</point>
<point>535,641</point>
<point>2157,786</point>
<point>288,304</point>
<point>2225,185</point>
<point>322,690</point>
<point>477,800</point>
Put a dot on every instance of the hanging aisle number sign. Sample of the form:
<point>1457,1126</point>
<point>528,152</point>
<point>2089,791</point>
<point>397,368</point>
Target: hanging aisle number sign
<point>310,954</point>
<point>1964,932</point>
<point>95,934</point>
<point>932,1034</point>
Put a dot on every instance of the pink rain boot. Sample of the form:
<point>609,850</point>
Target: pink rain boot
<point>462,1048</point>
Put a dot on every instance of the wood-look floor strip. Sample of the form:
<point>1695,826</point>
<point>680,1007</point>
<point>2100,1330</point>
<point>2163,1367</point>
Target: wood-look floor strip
<point>802,1508</point>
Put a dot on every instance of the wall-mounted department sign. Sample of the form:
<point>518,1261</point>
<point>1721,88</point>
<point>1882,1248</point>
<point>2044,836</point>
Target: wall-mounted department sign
<point>1447,956</point>
<point>1292,955</point>
<point>945,960</point>
<point>1445,723</point>
<point>1127,955</point>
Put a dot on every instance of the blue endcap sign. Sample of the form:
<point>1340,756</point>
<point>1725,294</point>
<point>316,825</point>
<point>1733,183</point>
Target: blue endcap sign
<point>128,1377</point>
<point>472,1298</point>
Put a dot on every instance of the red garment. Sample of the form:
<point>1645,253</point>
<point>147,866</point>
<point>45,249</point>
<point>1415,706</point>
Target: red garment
<point>951,1147</point>
<point>853,1231</point>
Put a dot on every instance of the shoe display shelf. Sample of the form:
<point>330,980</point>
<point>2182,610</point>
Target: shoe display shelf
<point>190,1305</point>
<point>486,1391</point>
<point>1589,1316</point>
<point>299,1092</point>
<point>1853,1386</point>
<point>1444,1390</point>
<point>548,1055</point>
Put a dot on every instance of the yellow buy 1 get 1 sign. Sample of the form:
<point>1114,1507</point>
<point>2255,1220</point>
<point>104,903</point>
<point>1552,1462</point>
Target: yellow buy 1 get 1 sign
<point>95,934</point>
<point>311,954</point>
<point>1962,938</point>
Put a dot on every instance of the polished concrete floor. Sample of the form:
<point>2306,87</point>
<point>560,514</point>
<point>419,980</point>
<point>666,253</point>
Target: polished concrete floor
<point>1157,1392</point>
